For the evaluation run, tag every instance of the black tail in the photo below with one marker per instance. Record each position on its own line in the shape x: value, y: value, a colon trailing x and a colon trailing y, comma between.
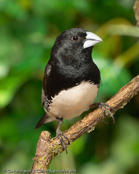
x: 45, y: 119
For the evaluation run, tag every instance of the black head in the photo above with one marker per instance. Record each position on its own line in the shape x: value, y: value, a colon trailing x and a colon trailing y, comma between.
x: 73, y: 43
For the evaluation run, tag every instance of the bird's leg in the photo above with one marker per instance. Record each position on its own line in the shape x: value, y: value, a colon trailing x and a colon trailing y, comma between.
x: 107, y: 108
x: 59, y: 133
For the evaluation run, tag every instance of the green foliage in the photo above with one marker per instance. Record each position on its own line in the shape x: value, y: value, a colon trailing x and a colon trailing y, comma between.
x: 28, y: 29
x: 122, y: 155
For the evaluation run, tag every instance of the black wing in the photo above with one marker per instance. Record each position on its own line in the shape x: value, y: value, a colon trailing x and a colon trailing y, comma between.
x: 45, y: 119
x: 44, y: 86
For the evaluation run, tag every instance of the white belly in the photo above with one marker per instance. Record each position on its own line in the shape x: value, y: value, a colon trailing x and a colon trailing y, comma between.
x: 72, y: 102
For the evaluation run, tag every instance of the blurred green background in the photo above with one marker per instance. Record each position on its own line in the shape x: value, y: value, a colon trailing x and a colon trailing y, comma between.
x: 28, y: 29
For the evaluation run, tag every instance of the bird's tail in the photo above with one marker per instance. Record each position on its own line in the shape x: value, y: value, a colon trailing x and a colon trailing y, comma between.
x: 45, y: 119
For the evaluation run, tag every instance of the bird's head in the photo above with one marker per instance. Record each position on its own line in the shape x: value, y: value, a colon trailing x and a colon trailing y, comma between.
x: 73, y: 42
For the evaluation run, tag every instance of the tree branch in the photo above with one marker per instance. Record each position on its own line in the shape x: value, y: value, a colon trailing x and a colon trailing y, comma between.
x: 136, y: 10
x: 48, y: 148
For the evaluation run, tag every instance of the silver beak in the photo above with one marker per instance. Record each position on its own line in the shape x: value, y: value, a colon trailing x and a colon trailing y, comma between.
x: 91, y: 40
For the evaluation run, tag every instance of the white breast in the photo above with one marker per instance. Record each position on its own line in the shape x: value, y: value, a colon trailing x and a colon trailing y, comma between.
x: 72, y: 102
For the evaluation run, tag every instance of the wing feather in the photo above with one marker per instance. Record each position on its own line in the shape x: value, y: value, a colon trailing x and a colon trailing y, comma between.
x: 44, y: 86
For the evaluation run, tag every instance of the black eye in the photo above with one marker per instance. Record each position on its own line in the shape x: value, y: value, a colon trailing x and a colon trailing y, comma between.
x: 75, y: 38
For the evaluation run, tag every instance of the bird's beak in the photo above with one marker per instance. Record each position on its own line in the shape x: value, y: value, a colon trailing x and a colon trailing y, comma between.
x: 91, y: 39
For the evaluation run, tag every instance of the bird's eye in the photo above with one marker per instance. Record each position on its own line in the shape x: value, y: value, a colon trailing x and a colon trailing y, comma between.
x: 75, y: 38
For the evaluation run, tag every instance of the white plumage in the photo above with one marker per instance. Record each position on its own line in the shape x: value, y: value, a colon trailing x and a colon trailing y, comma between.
x: 72, y: 102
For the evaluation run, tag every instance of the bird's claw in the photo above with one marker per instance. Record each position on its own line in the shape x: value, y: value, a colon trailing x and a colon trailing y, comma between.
x: 104, y: 107
x: 105, y: 110
x: 59, y: 135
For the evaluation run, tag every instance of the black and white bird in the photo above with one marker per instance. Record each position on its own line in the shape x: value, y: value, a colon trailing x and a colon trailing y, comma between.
x: 71, y: 79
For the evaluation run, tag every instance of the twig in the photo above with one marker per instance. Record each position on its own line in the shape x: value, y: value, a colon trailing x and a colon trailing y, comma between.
x: 136, y: 10
x: 48, y: 148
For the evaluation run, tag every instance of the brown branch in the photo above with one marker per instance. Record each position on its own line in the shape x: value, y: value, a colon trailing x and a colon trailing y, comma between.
x: 48, y: 148
x: 136, y: 10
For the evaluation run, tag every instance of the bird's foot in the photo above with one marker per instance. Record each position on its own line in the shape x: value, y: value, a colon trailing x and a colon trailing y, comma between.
x: 106, y: 109
x: 59, y: 135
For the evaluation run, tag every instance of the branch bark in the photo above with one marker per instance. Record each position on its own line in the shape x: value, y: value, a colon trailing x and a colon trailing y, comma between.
x: 136, y: 10
x: 48, y: 148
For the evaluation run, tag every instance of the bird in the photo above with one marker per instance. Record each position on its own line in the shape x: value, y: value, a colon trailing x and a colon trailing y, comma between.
x: 71, y: 78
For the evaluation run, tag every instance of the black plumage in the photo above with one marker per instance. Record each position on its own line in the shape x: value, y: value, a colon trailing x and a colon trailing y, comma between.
x: 69, y: 65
